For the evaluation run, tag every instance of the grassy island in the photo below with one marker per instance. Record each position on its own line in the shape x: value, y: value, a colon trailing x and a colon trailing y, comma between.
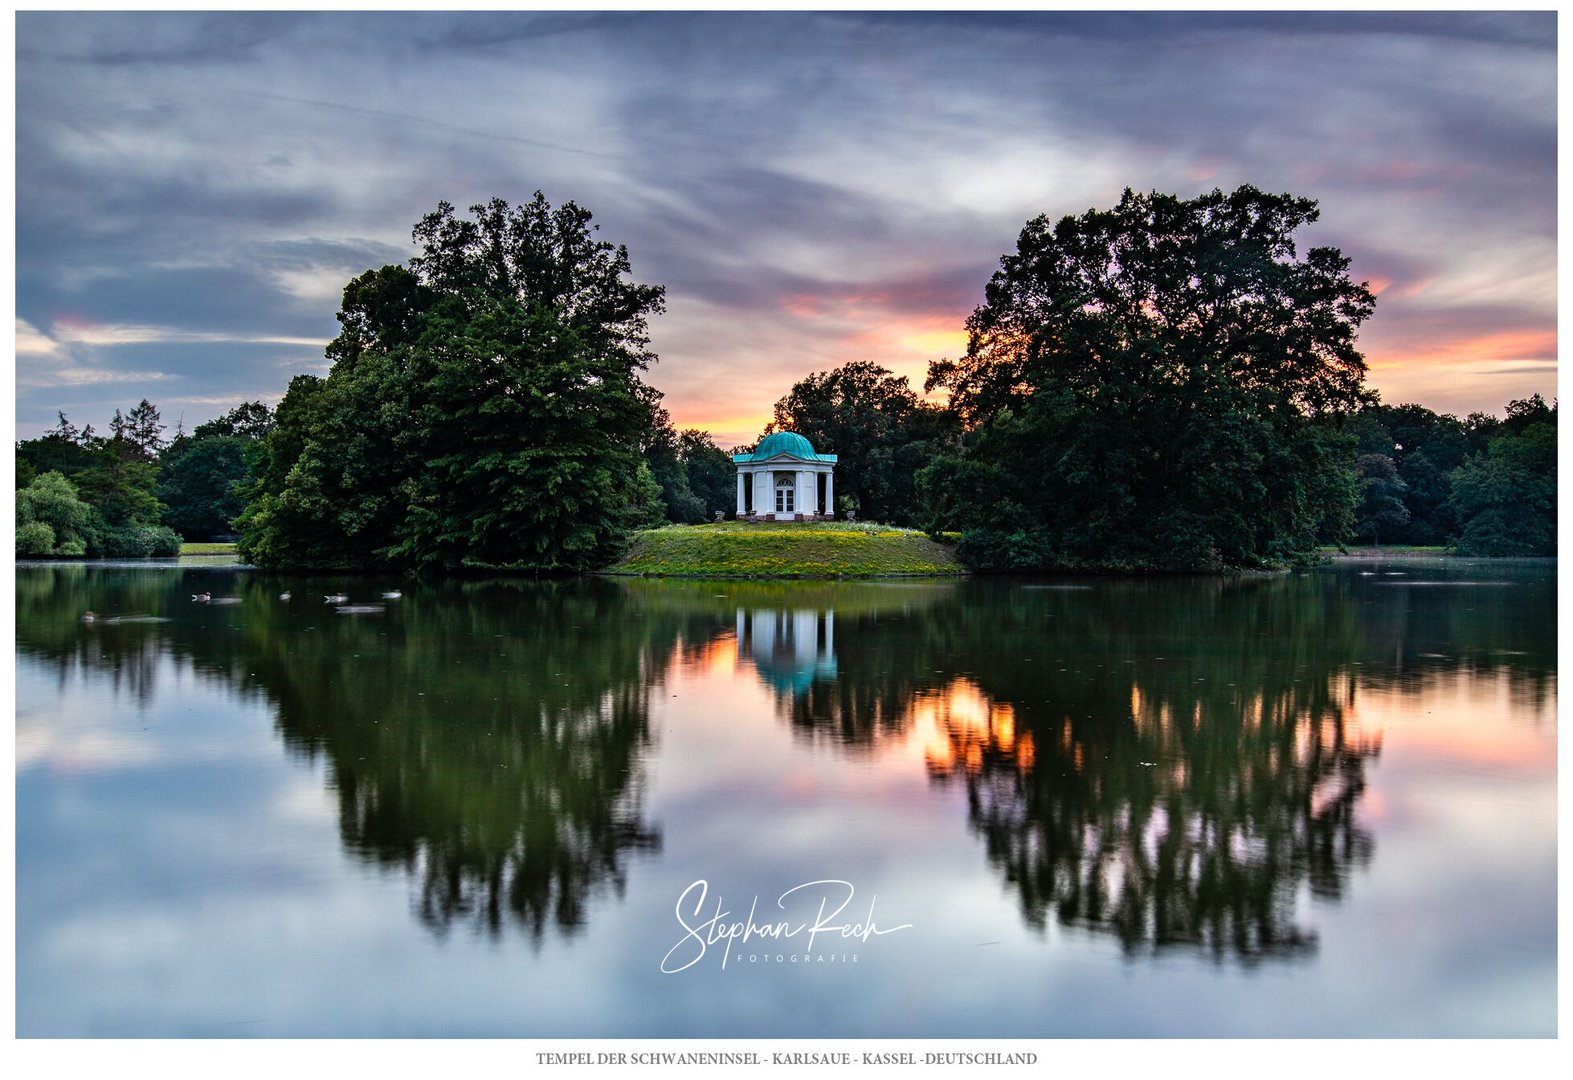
x: 814, y: 549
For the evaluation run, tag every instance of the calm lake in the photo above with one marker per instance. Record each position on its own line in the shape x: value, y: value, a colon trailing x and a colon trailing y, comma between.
x: 1320, y: 804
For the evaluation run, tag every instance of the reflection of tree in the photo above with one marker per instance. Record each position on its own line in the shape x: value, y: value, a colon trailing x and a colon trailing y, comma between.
x: 488, y: 738
x: 797, y: 636
x: 880, y: 656
x: 129, y: 637
x: 1167, y: 827
x: 1169, y: 762
x: 1482, y: 617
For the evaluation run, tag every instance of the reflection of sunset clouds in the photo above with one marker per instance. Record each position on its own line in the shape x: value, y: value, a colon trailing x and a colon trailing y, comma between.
x: 959, y: 726
x: 719, y: 658
x: 1472, y: 721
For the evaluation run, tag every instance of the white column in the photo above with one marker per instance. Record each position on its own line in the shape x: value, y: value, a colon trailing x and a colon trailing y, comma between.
x: 753, y: 480
x: 739, y: 492
x: 830, y: 491
x: 805, y: 487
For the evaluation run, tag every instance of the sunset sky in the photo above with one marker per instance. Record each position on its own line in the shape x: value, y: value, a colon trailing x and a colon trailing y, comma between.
x: 193, y: 190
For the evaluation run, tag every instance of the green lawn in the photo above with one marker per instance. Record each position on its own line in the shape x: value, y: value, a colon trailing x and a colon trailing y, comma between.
x: 207, y: 549
x: 1366, y: 551
x: 785, y: 549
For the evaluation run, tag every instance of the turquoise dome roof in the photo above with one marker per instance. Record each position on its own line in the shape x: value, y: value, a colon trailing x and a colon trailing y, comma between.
x: 784, y: 442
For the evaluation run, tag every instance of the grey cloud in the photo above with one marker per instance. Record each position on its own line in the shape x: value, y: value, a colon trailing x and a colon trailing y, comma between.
x: 201, y: 300
x: 179, y: 168
x: 201, y: 380
x: 1544, y: 368
x: 1536, y: 29
x: 124, y: 38
x: 492, y: 31
x: 434, y: 122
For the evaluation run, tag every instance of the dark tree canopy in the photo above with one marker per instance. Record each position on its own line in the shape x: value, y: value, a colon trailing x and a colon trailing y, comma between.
x: 1485, y: 485
x: 1381, y: 510
x: 1424, y: 448
x: 1506, y: 495
x: 202, y: 474
x: 696, y: 477
x: 140, y: 432
x: 484, y: 408
x: 1156, y: 386
x: 248, y: 420
x: 881, y: 432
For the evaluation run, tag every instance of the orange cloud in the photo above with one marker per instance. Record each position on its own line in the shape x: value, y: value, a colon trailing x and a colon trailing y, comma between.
x: 1465, y: 374
x: 1468, y: 351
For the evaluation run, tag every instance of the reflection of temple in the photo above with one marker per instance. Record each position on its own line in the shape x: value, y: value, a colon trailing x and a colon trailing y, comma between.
x: 790, y: 649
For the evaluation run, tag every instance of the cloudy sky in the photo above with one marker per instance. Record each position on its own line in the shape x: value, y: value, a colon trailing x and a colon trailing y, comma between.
x: 193, y: 190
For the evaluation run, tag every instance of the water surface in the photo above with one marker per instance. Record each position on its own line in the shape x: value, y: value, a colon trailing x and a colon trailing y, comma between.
x: 1318, y: 804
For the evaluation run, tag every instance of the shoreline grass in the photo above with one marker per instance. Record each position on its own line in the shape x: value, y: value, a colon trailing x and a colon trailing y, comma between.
x: 206, y: 549
x: 803, y: 549
x: 1354, y: 551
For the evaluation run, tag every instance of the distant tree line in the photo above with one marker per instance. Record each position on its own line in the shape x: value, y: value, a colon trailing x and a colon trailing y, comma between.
x: 133, y: 493
x: 1485, y: 486
x: 1166, y: 385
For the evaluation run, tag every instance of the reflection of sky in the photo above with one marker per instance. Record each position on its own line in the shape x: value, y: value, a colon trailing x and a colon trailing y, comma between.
x: 179, y: 874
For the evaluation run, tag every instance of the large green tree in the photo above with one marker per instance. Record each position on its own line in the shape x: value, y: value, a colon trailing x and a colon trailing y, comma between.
x: 881, y: 432
x: 1156, y: 386
x: 662, y: 455
x: 484, y: 408
x: 65, y: 449
x: 1426, y: 448
x: 1381, y: 511
x: 712, y: 476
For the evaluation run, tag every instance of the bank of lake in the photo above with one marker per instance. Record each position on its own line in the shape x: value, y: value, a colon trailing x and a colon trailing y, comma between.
x: 810, y: 549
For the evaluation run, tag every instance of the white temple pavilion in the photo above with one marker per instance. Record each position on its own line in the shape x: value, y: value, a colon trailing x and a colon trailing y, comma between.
x: 785, y: 480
